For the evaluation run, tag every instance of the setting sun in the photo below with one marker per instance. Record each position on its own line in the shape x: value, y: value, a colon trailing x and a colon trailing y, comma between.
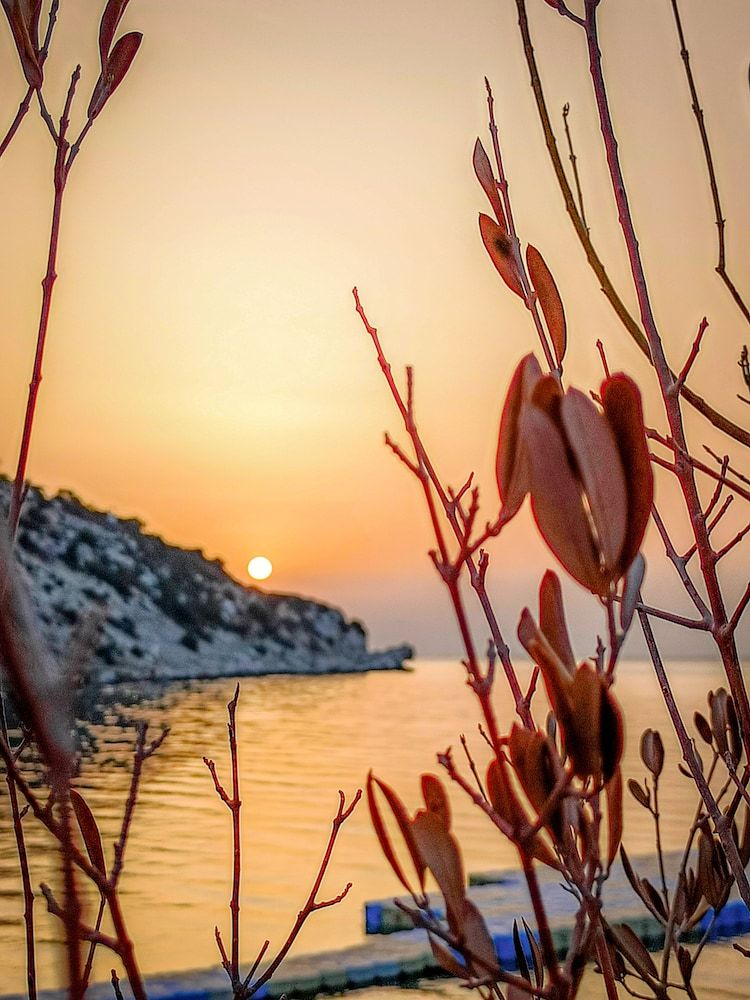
x: 260, y: 568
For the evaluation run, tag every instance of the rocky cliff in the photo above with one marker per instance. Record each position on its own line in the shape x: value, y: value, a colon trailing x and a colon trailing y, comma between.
x: 166, y: 613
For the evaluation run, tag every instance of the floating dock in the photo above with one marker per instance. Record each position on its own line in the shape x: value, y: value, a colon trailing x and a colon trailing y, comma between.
x: 392, y: 955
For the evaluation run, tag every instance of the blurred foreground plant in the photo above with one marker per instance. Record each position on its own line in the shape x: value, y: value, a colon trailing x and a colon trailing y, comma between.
x: 43, y: 690
x: 555, y: 791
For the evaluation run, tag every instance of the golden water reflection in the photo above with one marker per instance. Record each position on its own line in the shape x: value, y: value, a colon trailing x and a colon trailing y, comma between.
x: 301, y: 738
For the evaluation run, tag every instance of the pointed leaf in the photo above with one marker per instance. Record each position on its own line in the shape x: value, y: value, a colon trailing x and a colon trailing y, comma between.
x: 685, y: 963
x: 703, y: 727
x: 113, y: 73
x: 652, y: 751
x: 593, y: 444
x: 485, y: 176
x: 630, y: 945
x: 521, y: 963
x: 549, y: 300
x: 556, y: 678
x: 440, y: 851
x: 623, y: 409
x: 655, y: 899
x: 24, y: 25
x: 612, y: 732
x: 499, y: 246
x: 536, y: 954
x: 89, y: 831
x: 511, y: 463
x: 552, y: 620
x: 478, y: 941
x: 583, y: 731
x: 404, y: 825
x: 436, y: 799
x: 501, y: 794
x: 110, y: 19
x: 631, y: 589
x: 639, y: 793
x: 630, y: 872
x: 446, y: 959
x: 717, y: 701
x: 547, y: 395
x: 556, y: 501
x: 534, y: 763
x: 614, y: 816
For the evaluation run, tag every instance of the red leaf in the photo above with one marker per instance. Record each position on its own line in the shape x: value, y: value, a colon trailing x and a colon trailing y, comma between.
x: 502, y: 796
x: 511, y: 464
x: 89, y: 831
x: 629, y: 944
x: 612, y: 734
x: 614, y: 815
x: 556, y: 501
x: 549, y: 300
x: 110, y: 19
x: 113, y: 72
x: 441, y: 855
x: 446, y: 959
x: 582, y: 733
x: 23, y: 18
x: 623, y: 409
x: 554, y: 674
x: 478, y: 941
x: 499, y: 246
x: 485, y: 176
x: 552, y: 620
x: 435, y: 799
x: 593, y: 444
x: 404, y: 824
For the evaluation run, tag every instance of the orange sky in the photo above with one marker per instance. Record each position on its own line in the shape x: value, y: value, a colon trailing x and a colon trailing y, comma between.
x: 205, y: 369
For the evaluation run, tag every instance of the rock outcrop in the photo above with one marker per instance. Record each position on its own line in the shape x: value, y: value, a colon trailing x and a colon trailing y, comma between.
x: 169, y: 613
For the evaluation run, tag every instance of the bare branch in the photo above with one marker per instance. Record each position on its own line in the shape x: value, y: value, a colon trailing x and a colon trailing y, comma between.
x: 712, y: 179
x: 574, y: 164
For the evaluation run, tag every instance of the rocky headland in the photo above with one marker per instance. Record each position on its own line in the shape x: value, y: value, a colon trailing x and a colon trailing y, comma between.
x: 163, y: 613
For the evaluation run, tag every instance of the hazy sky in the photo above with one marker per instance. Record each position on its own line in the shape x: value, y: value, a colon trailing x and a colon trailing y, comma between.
x: 205, y: 368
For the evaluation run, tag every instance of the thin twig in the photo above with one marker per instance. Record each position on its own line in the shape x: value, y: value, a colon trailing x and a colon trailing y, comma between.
x: 593, y: 258
x: 574, y: 164
x: 688, y: 754
x: 477, y: 572
x: 708, y: 156
x: 312, y: 903
x: 116, y: 986
x: 23, y: 861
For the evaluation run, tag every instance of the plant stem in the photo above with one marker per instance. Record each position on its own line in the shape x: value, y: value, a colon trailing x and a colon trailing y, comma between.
x: 721, y: 223
x: 723, y: 828
x: 594, y: 260
x: 721, y: 630
x: 60, y: 178
x: 23, y: 861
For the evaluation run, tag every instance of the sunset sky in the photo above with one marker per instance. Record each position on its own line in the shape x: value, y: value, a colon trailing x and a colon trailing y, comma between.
x: 206, y: 371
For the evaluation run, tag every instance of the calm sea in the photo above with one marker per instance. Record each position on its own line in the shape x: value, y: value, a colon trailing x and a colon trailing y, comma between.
x: 301, y: 739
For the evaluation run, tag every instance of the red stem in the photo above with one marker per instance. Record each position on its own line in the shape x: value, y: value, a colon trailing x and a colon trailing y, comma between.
x: 20, y: 115
x: 723, y: 827
x: 23, y: 861
x: 311, y: 903
x: 72, y: 908
x: 236, y: 806
x: 721, y: 628
x: 60, y: 179
x: 476, y: 573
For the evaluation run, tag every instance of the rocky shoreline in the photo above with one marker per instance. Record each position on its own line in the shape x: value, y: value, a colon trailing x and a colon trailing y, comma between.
x: 150, y: 611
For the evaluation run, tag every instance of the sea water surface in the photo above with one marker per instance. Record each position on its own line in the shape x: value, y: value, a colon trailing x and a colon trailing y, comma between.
x: 300, y: 739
